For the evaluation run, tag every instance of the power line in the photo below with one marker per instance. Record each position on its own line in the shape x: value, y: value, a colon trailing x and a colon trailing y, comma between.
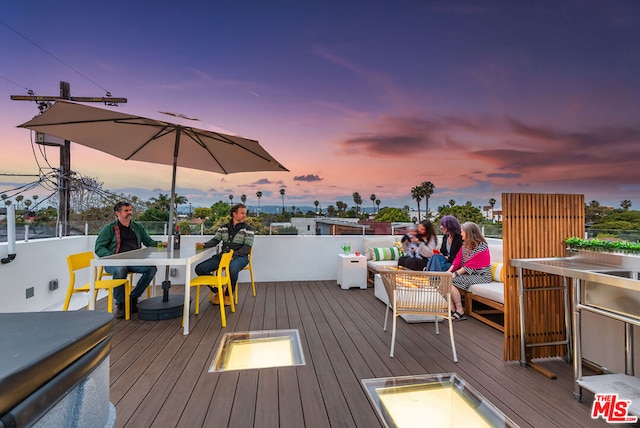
x: 15, y: 83
x: 52, y: 56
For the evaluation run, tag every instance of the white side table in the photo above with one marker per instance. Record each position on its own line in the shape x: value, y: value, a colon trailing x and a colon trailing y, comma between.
x: 352, y: 271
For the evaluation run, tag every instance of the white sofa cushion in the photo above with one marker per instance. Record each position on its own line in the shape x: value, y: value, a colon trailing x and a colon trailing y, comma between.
x: 492, y: 291
x: 375, y: 265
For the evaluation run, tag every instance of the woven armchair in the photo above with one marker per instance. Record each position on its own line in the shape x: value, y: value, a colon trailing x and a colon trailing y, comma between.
x: 418, y: 293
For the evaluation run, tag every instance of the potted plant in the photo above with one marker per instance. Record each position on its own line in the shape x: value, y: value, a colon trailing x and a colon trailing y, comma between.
x: 600, y: 245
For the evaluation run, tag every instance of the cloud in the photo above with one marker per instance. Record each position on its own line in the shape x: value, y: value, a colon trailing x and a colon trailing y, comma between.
x: 262, y: 181
x: 504, y: 175
x: 308, y: 178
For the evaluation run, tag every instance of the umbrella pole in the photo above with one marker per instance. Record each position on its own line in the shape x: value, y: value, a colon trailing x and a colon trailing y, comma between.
x: 176, y: 147
x: 166, y: 308
x: 166, y: 284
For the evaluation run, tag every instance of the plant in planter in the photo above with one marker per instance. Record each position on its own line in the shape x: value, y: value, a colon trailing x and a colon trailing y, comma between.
x: 600, y: 245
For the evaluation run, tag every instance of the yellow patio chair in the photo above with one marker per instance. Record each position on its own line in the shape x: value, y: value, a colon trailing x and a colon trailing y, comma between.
x: 220, y: 279
x: 102, y: 273
x: 248, y: 267
x: 418, y: 293
x: 80, y: 261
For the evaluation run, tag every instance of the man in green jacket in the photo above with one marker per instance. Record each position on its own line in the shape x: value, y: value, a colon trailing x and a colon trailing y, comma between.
x: 120, y: 236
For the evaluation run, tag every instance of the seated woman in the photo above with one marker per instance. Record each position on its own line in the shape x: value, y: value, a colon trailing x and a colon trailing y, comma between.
x: 451, y: 244
x: 418, y: 246
x: 472, y: 265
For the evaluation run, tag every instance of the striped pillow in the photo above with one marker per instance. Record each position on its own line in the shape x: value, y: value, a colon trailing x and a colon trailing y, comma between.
x: 496, y: 272
x: 389, y: 253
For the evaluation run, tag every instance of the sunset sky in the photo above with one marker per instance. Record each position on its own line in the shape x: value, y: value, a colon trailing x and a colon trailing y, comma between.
x: 375, y: 96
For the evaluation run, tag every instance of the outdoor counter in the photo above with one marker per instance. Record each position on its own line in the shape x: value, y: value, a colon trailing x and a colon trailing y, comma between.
x: 606, y: 285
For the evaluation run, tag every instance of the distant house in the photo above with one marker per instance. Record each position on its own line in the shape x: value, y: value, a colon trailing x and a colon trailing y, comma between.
x: 492, y: 214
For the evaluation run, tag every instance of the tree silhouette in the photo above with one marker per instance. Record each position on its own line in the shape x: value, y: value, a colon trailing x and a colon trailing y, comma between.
x: 416, y: 193
x: 231, y: 199
x: 452, y: 202
x: 19, y: 200
x: 243, y: 199
x: 625, y: 205
x: 177, y: 200
x: 378, y: 201
x: 258, y: 195
x: 357, y: 199
x: 162, y: 202
x: 282, y: 192
x: 492, y: 202
x: 428, y: 189
x: 316, y: 203
x: 373, y: 201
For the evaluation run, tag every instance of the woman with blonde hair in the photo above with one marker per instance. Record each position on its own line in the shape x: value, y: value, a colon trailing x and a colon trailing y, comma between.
x: 472, y: 265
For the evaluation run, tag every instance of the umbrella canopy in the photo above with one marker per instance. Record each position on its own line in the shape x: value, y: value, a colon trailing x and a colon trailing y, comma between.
x: 163, y: 139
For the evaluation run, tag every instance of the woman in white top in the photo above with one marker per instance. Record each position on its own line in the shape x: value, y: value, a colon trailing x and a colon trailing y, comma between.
x: 418, y: 246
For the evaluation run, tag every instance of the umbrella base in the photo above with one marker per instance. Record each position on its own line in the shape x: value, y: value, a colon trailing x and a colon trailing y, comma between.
x: 155, y: 309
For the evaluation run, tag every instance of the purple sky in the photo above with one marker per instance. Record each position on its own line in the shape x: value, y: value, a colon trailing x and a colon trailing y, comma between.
x: 478, y: 97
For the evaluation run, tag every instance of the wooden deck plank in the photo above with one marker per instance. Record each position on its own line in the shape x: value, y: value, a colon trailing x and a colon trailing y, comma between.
x: 318, y: 360
x: 312, y: 410
x: 345, y: 364
x: 160, y: 377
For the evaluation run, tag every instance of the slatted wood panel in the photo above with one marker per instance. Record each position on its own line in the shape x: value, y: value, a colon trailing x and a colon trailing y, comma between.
x: 159, y: 377
x: 536, y: 225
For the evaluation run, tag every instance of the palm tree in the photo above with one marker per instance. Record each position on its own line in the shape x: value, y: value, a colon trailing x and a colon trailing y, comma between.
x: 162, y: 202
x: 178, y: 200
x: 258, y: 195
x: 357, y: 199
x: 428, y: 188
x: 373, y: 201
x: 331, y: 210
x: 492, y: 202
x: 378, y: 201
x: 282, y: 192
x: 243, y: 199
x: 19, y: 199
x: 625, y: 205
x: 316, y: 203
x: 35, y: 200
x: 416, y: 193
x: 231, y: 199
x: 452, y: 202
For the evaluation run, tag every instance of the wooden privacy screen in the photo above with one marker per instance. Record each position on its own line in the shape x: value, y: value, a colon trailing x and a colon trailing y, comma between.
x: 535, y: 226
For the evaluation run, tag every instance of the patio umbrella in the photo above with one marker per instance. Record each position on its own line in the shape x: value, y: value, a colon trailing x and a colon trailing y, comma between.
x: 164, y: 138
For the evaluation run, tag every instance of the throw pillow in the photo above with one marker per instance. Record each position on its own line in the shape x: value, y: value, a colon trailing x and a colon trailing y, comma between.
x: 496, y: 272
x: 389, y: 253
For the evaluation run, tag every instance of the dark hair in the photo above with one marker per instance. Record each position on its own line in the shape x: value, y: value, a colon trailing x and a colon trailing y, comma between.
x: 451, y: 224
x: 430, y: 231
x: 235, y: 208
x: 117, y: 207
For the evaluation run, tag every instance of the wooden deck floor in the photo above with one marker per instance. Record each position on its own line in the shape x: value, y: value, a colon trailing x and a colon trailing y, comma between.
x: 159, y: 378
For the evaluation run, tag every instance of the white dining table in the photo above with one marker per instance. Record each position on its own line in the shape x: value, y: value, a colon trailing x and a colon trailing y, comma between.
x: 152, y: 256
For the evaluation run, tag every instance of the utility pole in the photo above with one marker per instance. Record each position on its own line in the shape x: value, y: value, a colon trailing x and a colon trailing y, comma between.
x: 64, y: 175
